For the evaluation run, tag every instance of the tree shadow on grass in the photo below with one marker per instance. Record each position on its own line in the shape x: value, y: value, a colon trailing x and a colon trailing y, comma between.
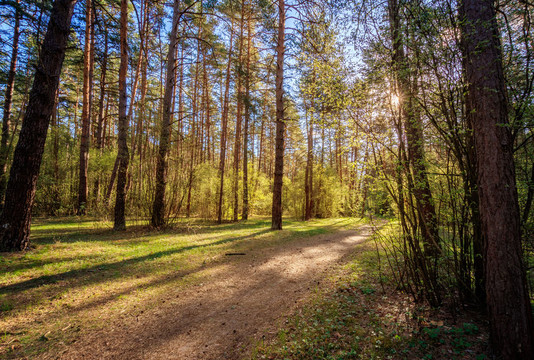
x: 173, y: 324
x: 225, y: 318
x: 71, y: 234
x: 136, y: 234
x: 110, y: 268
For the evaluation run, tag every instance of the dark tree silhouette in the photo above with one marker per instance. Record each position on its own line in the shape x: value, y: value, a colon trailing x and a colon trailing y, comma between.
x: 20, y: 193
x: 122, y: 156
x: 510, y: 313
x: 158, y: 208
x: 280, y: 124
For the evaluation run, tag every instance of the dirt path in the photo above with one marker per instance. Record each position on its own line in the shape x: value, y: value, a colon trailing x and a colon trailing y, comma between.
x: 220, y: 319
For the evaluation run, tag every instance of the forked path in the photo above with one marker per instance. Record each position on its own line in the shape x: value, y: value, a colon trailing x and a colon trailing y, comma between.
x: 221, y: 318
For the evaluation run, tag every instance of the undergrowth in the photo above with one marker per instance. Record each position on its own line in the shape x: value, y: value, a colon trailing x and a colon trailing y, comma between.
x: 361, y: 315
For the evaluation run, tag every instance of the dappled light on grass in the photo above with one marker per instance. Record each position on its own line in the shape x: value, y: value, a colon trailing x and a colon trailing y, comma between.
x: 82, y: 276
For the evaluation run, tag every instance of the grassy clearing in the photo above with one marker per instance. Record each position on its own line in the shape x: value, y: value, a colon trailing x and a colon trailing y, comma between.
x: 80, y: 275
x: 360, y: 315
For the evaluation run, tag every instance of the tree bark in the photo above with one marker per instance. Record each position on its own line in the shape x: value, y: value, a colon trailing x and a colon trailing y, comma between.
x: 99, y: 136
x: 56, y: 196
x: 308, y: 186
x: 20, y: 194
x: 246, y: 101
x: 224, y: 125
x: 122, y: 156
x: 414, y: 135
x: 6, y: 121
x: 239, y: 115
x: 195, y: 126
x: 510, y: 313
x: 88, y: 60
x: 158, y: 207
x: 280, y: 121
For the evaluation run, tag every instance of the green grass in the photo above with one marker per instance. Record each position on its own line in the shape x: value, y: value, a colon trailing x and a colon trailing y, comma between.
x: 81, y: 275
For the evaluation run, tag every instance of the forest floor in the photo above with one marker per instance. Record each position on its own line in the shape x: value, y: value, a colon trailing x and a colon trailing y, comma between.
x: 202, y: 291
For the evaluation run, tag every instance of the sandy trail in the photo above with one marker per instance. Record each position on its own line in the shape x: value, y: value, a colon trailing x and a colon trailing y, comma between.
x: 223, y: 317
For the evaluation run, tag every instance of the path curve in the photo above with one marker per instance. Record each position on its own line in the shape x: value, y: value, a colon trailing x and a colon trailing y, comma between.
x: 221, y: 318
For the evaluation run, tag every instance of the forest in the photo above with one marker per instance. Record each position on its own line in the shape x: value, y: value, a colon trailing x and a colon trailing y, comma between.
x: 159, y: 143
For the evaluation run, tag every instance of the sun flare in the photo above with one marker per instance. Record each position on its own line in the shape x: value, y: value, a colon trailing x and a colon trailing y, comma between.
x: 394, y: 100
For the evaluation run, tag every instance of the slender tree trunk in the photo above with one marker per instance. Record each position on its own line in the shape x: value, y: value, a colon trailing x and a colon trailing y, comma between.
x: 133, y: 93
x: 365, y: 183
x: 8, y: 98
x: 510, y: 313
x: 179, y: 141
x: 246, y: 101
x: 239, y: 115
x: 20, y: 193
x: 122, y: 156
x: 142, y: 66
x: 207, y: 95
x: 262, y: 138
x: 138, y: 144
x: 224, y: 125
x: 264, y: 118
x: 272, y: 137
x: 158, y: 207
x: 99, y: 136
x: 280, y: 121
x: 308, y: 186
x: 88, y: 60
x: 104, y: 67
x: 194, y: 125
x: 414, y: 134
x: 56, y: 196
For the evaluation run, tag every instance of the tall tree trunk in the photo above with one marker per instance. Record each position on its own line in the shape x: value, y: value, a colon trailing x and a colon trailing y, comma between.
x: 207, y: 106
x: 261, y: 166
x: 180, y: 132
x: 56, y: 196
x: 365, y: 182
x: 20, y: 193
x: 99, y: 136
x: 138, y: 145
x: 99, y: 143
x: 142, y: 68
x: 280, y: 121
x: 122, y: 156
x: 308, y: 186
x: 224, y: 125
x: 133, y: 93
x: 510, y: 313
x: 8, y: 98
x: 246, y: 101
x: 88, y: 60
x: 158, y: 207
x: 194, y: 124
x: 414, y: 134
x: 264, y: 118
x: 239, y: 115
